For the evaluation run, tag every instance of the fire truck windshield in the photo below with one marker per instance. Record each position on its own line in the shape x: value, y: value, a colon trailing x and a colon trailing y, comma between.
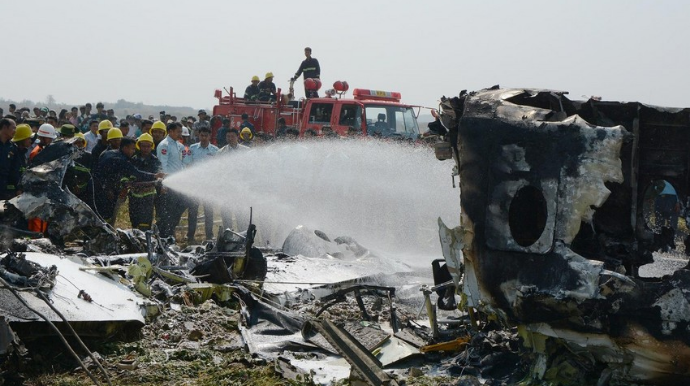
x: 388, y: 121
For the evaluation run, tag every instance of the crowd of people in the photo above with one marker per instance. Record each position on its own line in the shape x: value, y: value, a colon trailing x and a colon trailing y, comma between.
x: 126, y: 158
x: 120, y: 159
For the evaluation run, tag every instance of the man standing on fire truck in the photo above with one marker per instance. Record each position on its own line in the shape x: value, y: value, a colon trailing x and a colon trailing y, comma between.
x: 311, y: 69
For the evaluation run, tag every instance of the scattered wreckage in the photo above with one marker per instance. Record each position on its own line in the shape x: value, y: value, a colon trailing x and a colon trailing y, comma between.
x: 555, y: 225
x: 87, y: 279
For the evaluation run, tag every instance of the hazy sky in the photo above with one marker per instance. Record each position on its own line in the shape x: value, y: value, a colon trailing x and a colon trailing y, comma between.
x: 177, y: 52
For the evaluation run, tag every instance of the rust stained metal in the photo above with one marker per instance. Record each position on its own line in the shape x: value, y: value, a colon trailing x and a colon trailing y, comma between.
x: 552, y: 226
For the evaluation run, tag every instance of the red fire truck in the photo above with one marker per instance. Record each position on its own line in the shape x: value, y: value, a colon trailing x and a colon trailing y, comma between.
x: 369, y: 112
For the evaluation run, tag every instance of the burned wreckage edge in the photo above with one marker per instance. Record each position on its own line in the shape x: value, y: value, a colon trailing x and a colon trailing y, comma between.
x: 552, y: 230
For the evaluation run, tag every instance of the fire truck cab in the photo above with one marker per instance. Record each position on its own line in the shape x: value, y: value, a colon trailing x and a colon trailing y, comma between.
x: 369, y: 112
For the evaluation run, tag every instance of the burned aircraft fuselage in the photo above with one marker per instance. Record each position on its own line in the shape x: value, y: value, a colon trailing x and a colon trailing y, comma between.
x: 553, y: 223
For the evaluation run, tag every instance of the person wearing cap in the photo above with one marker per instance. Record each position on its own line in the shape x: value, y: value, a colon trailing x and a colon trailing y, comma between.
x: 103, y: 127
x: 204, y: 121
x: 23, y: 139
x: 172, y: 204
x: 311, y: 69
x: 251, y: 93
x: 112, y: 169
x: 186, y: 153
x: 186, y: 123
x: 10, y: 160
x: 91, y: 135
x: 114, y: 139
x: 67, y: 131
x: 158, y: 131
x: 246, y: 137
x: 142, y: 198
x: 267, y: 89
x: 46, y: 135
x: 202, y: 151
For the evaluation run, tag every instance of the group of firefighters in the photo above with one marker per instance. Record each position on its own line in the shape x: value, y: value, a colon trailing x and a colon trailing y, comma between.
x: 265, y: 90
x: 111, y: 166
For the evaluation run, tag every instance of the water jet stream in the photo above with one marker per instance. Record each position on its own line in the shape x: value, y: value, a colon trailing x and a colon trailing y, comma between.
x: 385, y: 195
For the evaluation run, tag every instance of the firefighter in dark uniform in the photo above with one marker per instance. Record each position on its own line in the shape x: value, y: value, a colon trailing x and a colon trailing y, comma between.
x: 102, y: 145
x: 78, y: 176
x: 10, y: 164
x: 267, y: 89
x: 23, y: 139
x: 311, y: 69
x: 112, y: 171
x: 251, y: 93
x: 141, y: 198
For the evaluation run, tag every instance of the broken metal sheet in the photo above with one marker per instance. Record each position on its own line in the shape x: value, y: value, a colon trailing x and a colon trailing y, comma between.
x: 551, y: 222
x: 395, y: 350
x: 67, y: 215
x: 112, y: 301
x: 270, y: 333
x: 363, y: 363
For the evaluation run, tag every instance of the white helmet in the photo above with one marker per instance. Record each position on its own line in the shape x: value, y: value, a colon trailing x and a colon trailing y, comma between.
x: 185, y: 132
x: 47, y: 130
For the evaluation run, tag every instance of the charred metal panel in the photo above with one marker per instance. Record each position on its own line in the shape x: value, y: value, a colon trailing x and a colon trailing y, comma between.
x: 552, y: 224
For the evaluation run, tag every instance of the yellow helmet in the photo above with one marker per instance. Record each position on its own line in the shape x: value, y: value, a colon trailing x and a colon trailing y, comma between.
x: 255, y: 78
x: 114, y: 133
x: 105, y: 125
x: 269, y: 75
x: 81, y: 136
x: 246, y: 132
x: 23, y: 132
x: 159, y: 125
x: 146, y: 137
